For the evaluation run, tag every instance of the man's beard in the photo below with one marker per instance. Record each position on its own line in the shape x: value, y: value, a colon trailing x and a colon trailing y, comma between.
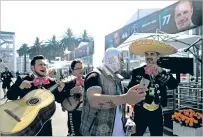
x: 150, y: 61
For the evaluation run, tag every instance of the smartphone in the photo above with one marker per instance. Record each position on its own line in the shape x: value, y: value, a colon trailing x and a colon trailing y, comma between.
x: 144, y: 83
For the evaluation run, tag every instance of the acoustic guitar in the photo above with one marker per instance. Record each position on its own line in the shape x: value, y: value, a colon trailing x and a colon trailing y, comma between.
x: 75, y: 100
x: 26, y: 116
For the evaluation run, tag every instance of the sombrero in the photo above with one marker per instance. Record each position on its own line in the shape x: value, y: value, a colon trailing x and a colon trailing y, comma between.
x: 139, y: 47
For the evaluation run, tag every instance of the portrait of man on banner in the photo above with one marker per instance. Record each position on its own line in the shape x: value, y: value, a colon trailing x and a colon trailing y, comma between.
x: 183, y: 13
x: 116, y: 39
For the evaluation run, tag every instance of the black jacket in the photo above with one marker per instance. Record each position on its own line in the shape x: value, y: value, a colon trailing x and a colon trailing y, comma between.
x: 164, y: 80
x: 6, y: 76
x: 14, y: 92
x: 69, y: 85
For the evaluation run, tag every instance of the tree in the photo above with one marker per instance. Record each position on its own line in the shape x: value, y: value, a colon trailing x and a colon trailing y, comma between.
x: 38, y: 46
x: 68, y: 41
x: 54, y: 47
x: 36, y: 49
x: 85, y: 37
x: 23, y: 50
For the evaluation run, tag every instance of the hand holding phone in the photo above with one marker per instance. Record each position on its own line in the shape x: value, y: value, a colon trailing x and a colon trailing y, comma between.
x: 144, y: 83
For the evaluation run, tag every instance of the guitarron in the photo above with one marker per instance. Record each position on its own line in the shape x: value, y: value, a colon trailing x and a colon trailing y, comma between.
x: 26, y: 116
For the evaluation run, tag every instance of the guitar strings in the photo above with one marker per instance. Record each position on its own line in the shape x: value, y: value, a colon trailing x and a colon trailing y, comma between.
x: 32, y: 108
x: 23, y: 103
x: 53, y: 87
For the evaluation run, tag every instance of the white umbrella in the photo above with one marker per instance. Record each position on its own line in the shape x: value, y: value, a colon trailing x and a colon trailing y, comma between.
x: 176, y: 40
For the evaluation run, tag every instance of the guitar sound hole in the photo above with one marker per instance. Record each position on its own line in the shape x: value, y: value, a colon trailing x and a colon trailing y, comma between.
x: 77, y: 96
x: 33, y: 101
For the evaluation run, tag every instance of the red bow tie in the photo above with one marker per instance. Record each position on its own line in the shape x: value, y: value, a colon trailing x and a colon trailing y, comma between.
x: 150, y: 71
x: 41, y: 81
x: 79, y: 82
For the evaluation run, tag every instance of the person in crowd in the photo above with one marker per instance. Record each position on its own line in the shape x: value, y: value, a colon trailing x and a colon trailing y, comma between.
x: 148, y: 113
x: 17, y: 74
x: 103, y: 112
x: 6, y: 78
x: 75, y: 84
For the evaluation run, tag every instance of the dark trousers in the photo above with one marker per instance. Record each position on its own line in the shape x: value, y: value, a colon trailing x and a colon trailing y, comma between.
x: 6, y: 85
x: 46, y: 130
x: 74, y: 121
x: 151, y: 119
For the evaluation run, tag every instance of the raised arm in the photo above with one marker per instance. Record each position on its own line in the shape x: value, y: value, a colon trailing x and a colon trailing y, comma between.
x: 64, y: 90
x: 96, y: 98
x: 100, y: 101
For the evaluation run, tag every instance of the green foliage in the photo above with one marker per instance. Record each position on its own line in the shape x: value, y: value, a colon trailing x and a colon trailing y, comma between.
x: 53, y: 48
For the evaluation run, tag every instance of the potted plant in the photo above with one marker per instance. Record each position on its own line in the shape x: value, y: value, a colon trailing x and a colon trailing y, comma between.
x: 187, y: 122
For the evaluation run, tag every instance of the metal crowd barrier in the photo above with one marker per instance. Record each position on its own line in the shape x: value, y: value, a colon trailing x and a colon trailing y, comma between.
x: 189, y: 95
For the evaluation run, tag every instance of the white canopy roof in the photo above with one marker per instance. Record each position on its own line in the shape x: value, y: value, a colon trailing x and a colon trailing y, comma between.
x: 176, y: 40
x: 82, y: 44
x: 59, y: 64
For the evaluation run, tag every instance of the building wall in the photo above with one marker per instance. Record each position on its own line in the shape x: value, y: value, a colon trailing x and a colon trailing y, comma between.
x: 140, y: 13
x: 20, y: 64
x: 6, y: 54
x: 7, y: 50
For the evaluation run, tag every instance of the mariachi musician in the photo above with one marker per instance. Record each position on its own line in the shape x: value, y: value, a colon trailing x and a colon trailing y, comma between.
x: 75, y: 86
x: 37, y: 80
x: 148, y: 113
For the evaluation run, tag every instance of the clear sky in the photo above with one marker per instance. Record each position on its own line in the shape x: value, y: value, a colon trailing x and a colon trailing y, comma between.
x: 43, y: 19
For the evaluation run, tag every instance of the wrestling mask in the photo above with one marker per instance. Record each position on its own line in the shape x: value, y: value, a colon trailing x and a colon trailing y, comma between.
x: 113, y: 60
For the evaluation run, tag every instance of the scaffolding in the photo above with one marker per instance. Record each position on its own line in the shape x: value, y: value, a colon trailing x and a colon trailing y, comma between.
x: 189, y: 95
x: 7, y: 51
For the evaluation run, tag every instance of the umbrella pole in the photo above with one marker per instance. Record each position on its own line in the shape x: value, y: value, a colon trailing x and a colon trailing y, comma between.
x: 201, y: 74
x: 202, y: 65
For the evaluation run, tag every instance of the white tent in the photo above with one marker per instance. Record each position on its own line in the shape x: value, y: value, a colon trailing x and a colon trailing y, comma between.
x: 82, y: 44
x: 176, y: 40
x: 59, y: 64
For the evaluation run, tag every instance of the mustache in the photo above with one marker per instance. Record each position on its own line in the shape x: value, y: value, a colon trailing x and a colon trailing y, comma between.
x: 149, y: 59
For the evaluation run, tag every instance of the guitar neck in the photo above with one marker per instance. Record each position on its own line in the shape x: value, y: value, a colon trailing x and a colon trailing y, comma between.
x: 52, y: 88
